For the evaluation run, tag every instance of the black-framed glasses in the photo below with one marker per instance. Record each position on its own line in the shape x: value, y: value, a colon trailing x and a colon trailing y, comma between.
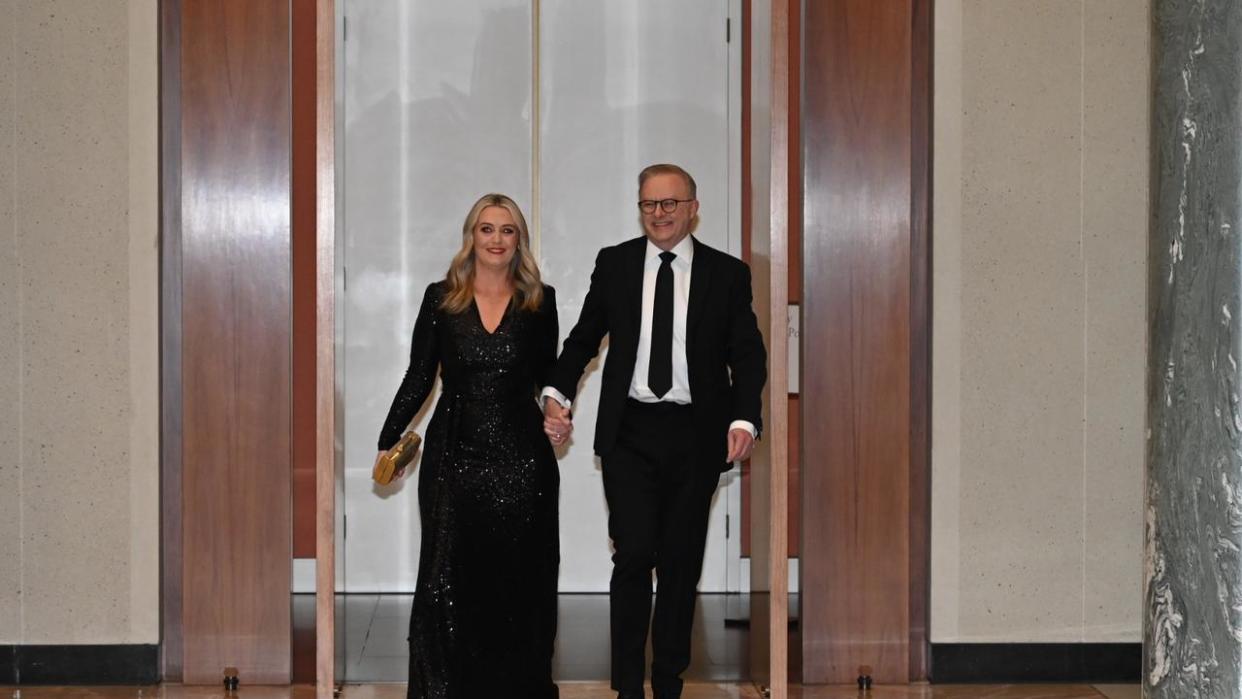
x: 648, y: 206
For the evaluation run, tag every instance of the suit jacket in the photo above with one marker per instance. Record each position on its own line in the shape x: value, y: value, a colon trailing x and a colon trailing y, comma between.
x: 725, y: 356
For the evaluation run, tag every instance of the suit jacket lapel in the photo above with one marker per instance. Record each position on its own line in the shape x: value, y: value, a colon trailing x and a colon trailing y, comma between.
x: 634, y: 286
x: 700, y: 285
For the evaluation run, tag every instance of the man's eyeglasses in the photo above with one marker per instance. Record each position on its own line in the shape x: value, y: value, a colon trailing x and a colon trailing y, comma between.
x: 648, y: 206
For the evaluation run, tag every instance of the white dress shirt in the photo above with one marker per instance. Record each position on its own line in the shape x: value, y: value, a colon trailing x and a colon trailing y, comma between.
x: 680, y: 391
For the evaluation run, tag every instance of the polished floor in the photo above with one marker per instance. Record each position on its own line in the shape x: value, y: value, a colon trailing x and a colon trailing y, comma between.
x: 376, y: 627
x: 376, y: 656
x: 594, y: 690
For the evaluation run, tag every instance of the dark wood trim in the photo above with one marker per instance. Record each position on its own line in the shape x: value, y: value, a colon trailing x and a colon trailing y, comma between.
x: 747, y: 190
x: 304, y: 136
x: 303, y: 226
x: 920, y: 336
x: 79, y: 665
x: 794, y: 118
x: 748, y: 215
x: 171, y: 648
x: 795, y: 168
x: 996, y: 663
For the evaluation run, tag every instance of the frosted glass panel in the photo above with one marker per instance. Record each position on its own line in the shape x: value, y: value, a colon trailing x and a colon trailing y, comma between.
x: 437, y: 113
x: 623, y: 85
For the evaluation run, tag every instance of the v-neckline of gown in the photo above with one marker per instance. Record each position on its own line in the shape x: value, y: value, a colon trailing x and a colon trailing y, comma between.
x: 478, y: 314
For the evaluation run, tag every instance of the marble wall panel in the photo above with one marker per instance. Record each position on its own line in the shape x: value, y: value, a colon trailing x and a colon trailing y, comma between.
x: 1193, y: 515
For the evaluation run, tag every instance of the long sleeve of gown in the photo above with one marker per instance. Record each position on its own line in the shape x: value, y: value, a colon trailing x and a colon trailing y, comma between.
x: 420, y: 376
x: 547, y: 341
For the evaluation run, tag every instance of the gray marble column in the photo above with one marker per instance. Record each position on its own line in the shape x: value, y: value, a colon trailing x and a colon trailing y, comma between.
x: 1193, y: 579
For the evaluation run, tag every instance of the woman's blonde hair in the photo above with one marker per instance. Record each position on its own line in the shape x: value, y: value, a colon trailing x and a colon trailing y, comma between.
x: 527, y: 285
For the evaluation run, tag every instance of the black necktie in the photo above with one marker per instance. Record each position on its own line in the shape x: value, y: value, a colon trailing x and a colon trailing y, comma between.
x: 660, y: 367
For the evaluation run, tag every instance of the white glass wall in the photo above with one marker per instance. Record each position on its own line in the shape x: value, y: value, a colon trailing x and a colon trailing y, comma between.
x: 623, y: 85
x: 437, y: 112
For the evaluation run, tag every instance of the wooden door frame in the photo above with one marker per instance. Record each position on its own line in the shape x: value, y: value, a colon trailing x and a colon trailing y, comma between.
x: 325, y: 354
x: 780, y: 148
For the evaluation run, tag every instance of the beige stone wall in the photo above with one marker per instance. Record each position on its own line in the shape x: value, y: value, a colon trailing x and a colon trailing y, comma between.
x: 1039, y: 337
x: 79, y: 496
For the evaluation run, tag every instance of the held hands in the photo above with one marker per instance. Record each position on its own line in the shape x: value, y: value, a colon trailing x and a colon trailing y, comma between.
x: 558, y: 425
x: 740, y: 444
x: 557, y: 422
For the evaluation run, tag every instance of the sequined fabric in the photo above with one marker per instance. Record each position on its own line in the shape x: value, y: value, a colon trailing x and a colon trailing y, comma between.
x: 484, y: 618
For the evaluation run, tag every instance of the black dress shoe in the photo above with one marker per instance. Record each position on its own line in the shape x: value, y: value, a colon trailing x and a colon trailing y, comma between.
x: 631, y: 695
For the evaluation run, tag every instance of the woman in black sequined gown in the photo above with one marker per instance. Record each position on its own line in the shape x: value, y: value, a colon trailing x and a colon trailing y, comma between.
x: 484, y: 618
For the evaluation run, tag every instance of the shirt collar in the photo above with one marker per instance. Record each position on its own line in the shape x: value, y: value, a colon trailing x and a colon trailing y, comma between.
x: 683, y: 250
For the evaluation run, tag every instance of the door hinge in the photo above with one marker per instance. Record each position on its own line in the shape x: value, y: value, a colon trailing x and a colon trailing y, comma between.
x: 728, y: 521
x: 728, y: 29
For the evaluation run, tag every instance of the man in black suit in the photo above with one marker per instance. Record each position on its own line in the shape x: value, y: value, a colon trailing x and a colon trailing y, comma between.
x: 680, y: 401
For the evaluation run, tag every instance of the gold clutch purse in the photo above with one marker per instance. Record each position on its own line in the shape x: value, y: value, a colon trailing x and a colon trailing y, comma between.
x: 397, y: 458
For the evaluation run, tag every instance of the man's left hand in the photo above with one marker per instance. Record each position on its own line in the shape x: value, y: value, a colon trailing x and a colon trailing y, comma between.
x: 740, y: 445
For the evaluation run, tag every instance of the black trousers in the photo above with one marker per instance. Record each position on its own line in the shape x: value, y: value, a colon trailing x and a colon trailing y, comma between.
x: 658, y: 504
